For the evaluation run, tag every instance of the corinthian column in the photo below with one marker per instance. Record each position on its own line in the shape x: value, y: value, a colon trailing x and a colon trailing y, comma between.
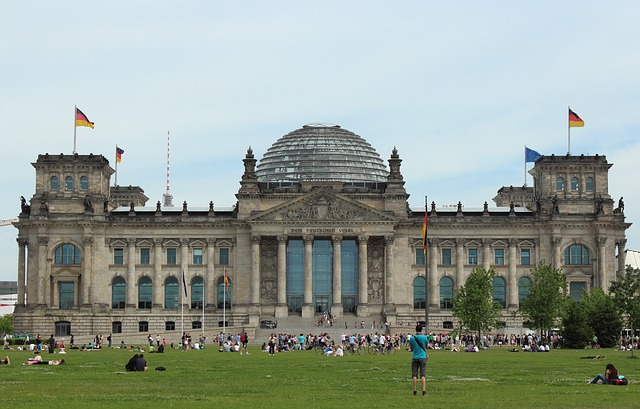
x: 389, y: 240
x: 22, y: 247
x: 513, y: 279
x: 307, y: 306
x: 363, y: 295
x: 255, y: 270
x: 281, y: 309
x: 87, y: 276
x: 336, y: 308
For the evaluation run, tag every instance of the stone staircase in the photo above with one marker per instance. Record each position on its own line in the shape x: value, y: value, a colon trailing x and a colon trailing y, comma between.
x: 297, y: 325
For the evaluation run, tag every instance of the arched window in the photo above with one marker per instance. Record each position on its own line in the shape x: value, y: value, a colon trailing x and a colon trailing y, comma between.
x: 118, y: 293
x: 419, y: 293
x: 576, y: 254
x: 559, y: 184
x: 223, y: 296
x: 67, y: 254
x: 145, y: 293
x: 84, y: 183
x: 524, y: 285
x: 171, y: 292
x: 68, y: 183
x: 197, y: 292
x: 500, y: 291
x: 588, y: 184
x: 54, y: 183
x: 446, y: 293
x: 574, y: 184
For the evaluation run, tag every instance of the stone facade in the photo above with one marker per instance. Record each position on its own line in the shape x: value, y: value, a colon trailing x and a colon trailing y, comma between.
x: 87, y: 267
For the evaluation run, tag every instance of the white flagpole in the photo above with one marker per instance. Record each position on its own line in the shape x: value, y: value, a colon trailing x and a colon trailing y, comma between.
x: 75, y: 111
x: 568, y: 132
x: 224, y: 305
x: 182, y: 304
x: 525, y: 165
x: 116, y: 175
x: 203, y: 292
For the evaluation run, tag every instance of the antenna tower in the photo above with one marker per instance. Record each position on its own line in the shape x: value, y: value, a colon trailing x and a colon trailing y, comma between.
x: 167, y: 198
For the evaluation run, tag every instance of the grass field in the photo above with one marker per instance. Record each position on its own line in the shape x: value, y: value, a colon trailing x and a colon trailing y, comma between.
x: 199, y: 379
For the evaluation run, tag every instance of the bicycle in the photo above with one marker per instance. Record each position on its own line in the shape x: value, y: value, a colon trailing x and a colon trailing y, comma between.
x: 354, y: 349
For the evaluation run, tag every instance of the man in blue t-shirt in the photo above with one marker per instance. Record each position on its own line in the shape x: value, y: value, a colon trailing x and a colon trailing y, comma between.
x: 419, y: 358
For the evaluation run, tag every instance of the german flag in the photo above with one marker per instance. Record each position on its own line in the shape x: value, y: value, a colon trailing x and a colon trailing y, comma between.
x: 574, y: 120
x: 82, y: 120
x: 119, y: 152
x: 424, y: 233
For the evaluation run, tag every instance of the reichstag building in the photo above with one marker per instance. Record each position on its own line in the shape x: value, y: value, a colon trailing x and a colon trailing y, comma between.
x: 321, y: 224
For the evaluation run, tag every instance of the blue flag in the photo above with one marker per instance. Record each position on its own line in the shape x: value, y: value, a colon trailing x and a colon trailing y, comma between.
x: 530, y: 155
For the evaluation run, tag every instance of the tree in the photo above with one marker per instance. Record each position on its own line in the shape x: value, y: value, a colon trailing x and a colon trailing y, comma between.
x: 543, y: 304
x: 6, y: 324
x: 576, y: 332
x: 626, y: 294
x: 473, y: 303
x: 602, y: 316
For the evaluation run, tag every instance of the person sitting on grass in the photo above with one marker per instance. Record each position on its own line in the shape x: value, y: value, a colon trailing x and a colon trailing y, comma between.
x: 5, y: 361
x: 131, y: 365
x: 610, y: 376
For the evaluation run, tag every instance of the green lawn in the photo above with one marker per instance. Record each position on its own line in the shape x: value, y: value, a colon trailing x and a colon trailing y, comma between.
x: 195, y: 379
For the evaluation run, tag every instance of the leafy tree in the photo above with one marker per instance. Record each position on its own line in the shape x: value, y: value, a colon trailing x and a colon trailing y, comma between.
x: 6, y: 324
x: 543, y: 304
x: 626, y: 294
x: 473, y: 303
x: 576, y: 332
x: 602, y: 316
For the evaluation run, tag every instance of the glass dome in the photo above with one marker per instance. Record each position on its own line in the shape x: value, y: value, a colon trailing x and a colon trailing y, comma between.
x: 321, y: 152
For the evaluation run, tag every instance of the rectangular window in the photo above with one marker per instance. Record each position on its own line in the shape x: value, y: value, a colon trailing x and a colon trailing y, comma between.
x: 576, y: 290
x: 145, y: 256
x: 420, y: 256
x: 472, y: 256
x: 66, y: 294
x: 224, y: 256
x: 143, y: 326
x: 525, y: 257
x: 197, y: 256
x: 118, y: 257
x: 498, y: 257
x: 116, y: 327
x: 446, y: 257
x: 172, y: 256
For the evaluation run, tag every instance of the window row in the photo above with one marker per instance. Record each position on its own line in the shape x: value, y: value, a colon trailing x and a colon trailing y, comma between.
x: 575, y: 254
x: 172, y: 256
x: 63, y: 328
x: 69, y: 183
x: 575, y: 184
x: 172, y: 294
x: 447, y: 290
x: 446, y: 256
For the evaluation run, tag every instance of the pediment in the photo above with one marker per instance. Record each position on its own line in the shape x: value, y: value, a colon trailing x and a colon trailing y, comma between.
x: 322, y: 205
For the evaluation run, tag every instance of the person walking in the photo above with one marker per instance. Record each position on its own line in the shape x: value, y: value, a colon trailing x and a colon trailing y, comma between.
x: 52, y: 344
x: 419, y: 357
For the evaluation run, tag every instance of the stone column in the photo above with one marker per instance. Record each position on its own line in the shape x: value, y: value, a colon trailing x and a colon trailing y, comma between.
x: 42, y: 289
x: 255, y: 270
x: 460, y: 261
x: 389, y: 277
x: 336, y: 308
x: 210, y: 280
x: 602, y: 265
x: 131, y: 275
x: 513, y: 279
x: 432, y: 285
x: 157, y: 273
x: 87, y: 273
x: 308, y: 309
x: 363, y: 294
x: 184, y: 269
x: 486, y: 254
x: 281, y: 309
x: 622, y: 268
x: 22, y: 246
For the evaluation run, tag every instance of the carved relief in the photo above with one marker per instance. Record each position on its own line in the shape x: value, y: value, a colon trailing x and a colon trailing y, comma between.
x: 269, y: 270
x: 323, y: 208
x: 375, y: 265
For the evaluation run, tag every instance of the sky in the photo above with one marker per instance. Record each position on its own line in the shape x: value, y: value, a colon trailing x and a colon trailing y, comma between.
x: 459, y: 88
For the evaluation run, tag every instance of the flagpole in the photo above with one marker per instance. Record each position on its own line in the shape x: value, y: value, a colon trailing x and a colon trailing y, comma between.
x: 203, y: 298
x: 568, y: 131
x: 182, y: 304
x: 75, y: 111
x: 116, y: 175
x: 426, y: 274
x: 525, y: 165
x: 224, y: 305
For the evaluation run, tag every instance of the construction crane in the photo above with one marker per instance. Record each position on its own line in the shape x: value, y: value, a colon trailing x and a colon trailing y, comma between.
x: 7, y: 222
